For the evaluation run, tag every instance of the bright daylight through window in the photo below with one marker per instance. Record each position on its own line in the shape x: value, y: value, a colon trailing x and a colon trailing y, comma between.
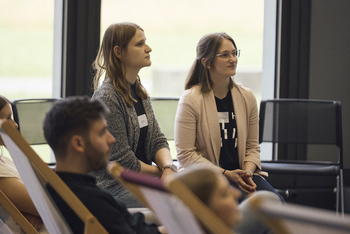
x: 173, y: 29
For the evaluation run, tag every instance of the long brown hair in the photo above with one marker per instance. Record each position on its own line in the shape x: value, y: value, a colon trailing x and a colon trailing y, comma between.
x: 111, y: 66
x: 207, y: 48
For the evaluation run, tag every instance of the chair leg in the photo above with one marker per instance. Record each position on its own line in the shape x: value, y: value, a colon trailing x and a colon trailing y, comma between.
x: 341, y: 192
x: 337, y: 196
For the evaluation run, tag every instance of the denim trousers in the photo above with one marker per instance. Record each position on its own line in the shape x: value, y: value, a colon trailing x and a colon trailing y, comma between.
x: 261, y: 185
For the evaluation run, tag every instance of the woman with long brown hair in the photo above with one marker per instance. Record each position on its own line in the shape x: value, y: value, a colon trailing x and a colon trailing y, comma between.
x: 139, y: 140
x: 217, y: 120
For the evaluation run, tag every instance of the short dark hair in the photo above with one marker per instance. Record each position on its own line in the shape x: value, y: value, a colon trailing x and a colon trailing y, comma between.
x: 68, y: 117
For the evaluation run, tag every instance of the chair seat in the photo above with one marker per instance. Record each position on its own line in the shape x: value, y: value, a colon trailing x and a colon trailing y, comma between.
x: 300, y: 169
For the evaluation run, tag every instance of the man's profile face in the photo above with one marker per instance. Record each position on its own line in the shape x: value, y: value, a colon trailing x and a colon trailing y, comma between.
x: 98, y: 146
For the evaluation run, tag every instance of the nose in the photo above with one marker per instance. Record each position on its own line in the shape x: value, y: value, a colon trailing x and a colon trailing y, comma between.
x: 148, y: 49
x: 111, y: 138
x: 232, y: 57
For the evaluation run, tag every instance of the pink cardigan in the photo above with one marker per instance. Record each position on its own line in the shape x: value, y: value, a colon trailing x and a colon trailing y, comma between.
x: 197, y: 129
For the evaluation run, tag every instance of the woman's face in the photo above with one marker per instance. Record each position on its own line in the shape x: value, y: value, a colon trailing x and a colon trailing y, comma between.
x: 224, y: 65
x: 137, y: 55
x: 6, y: 113
x: 224, y: 202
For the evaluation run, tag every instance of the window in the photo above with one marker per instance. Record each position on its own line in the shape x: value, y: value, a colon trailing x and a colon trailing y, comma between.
x: 173, y: 29
x: 26, y: 48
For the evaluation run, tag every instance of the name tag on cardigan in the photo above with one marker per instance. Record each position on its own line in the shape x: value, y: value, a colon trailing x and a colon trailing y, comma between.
x: 143, y: 122
x: 223, y: 117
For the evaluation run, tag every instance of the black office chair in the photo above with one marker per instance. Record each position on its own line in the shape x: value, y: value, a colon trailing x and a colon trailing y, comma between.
x: 29, y: 114
x: 307, y: 134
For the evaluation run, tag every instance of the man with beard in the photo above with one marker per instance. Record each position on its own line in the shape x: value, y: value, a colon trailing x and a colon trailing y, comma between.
x: 76, y: 130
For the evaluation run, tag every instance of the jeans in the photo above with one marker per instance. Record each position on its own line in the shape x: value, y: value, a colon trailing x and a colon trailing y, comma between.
x: 261, y: 185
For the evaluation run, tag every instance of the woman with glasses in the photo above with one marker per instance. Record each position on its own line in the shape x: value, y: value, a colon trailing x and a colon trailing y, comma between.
x: 217, y: 119
x: 139, y: 140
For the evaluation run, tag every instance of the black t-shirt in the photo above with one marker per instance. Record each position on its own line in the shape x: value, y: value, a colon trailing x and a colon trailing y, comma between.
x: 228, y: 128
x: 110, y: 212
x: 143, y: 124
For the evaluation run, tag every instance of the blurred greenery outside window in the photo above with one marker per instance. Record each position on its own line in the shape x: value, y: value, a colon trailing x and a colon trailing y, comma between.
x: 173, y: 29
x: 26, y: 48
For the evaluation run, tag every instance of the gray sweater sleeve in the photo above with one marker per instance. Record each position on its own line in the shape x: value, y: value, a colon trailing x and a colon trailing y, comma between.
x: 123, y: 124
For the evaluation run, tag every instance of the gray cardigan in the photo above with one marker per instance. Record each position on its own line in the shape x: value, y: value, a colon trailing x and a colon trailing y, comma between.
x: 124, y: 126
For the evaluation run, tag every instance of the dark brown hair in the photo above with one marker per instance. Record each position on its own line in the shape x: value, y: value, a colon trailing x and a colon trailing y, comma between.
x: 68, y: 117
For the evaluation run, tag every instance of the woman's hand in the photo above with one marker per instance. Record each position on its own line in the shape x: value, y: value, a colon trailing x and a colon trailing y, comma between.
x: 242, y: 179
x: 247, y: 178
x: 35, y: 221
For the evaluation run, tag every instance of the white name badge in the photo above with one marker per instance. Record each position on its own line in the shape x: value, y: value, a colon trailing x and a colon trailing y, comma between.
x: 143, y: 122
x: 223, y: 117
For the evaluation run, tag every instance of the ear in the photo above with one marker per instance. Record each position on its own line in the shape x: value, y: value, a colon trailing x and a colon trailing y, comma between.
x: 203, y: 62
x: 78, y: 143
x: 116, y: 51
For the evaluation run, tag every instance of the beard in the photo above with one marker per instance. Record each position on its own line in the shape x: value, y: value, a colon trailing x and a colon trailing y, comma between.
x: 96, y: 159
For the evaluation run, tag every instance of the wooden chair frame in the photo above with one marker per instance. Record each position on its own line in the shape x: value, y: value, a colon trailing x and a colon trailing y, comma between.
x: 16, y: 214
x: 284, y: 218
x: 92, y: 225
x: 202, y: 212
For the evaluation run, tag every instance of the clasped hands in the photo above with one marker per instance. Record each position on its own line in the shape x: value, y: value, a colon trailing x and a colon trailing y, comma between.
x: 242, y: 179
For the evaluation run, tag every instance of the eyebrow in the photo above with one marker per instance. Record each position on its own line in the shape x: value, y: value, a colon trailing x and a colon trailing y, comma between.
x: 142, y: 40
x: 227, y: 51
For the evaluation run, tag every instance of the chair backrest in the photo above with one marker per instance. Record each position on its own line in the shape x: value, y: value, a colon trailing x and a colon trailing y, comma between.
x: 16, y: 215
x: 294, y: 219
x: 165, y: 111
x: 177, y: 208
x: 34, y: 173
x: 29, y: 114
x: 301, y: 122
